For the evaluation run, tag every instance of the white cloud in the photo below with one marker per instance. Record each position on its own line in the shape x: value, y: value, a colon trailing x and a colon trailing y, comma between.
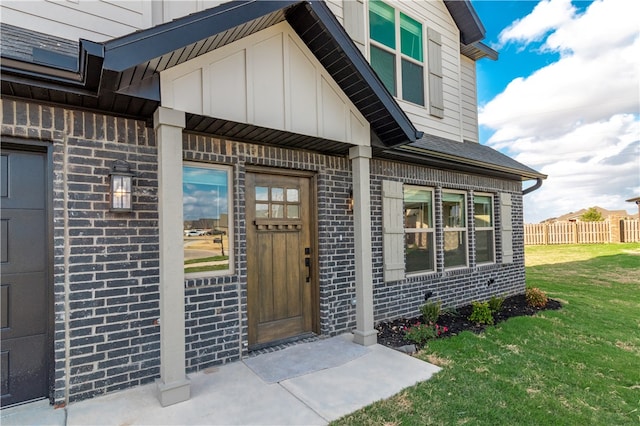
x: 577, y: 119
x: 547, y: 15
x: 606, y: 24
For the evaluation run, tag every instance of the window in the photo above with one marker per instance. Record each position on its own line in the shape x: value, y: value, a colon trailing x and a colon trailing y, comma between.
x: 455, y: 229
x: 386, y: 27
x: 207, y: 230
x: 483, y: 221
x: 419, y: 229
x: 277, y: 203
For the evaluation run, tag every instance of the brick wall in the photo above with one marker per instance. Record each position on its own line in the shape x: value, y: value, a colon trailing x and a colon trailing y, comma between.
x: 106, y: 265
x: 453, y: 287
x: 220, y: 320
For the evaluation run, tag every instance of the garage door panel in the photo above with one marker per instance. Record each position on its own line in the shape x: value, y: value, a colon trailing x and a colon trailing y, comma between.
x: 23, y: 234
x: 24, y: 369
x: 23, y: 319
x: 23, y: 180
x: 24, y: 284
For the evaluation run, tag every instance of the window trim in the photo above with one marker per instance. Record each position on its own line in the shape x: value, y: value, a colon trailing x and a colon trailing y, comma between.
x: 230, y: 217
x: 431, y: 230
x: 491, y: 228
x: 399, y: 56
x: 464, y: 229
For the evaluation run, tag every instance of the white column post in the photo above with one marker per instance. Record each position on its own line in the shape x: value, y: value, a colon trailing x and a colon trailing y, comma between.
x: 364, y: 334
x: 173, y: 384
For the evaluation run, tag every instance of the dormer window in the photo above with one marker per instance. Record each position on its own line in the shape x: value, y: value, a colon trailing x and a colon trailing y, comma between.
x: 387, y: 26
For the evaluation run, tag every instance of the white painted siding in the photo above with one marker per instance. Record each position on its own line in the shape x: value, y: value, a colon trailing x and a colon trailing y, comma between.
x: 95, y: 20
x: 469, y: 100
x: 168, y: 10
x: 269, y: 79
x: 434, y: 14
x: 337, y: 8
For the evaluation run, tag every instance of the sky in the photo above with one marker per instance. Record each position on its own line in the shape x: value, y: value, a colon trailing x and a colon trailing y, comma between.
x: 204, y: 193
x: 564, y: 99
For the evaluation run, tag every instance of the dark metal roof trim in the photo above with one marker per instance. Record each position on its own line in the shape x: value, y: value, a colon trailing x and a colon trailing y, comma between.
x: 143, y: 46
x: 361, y: 84
x: 467, y: 20
x: 465, y: 156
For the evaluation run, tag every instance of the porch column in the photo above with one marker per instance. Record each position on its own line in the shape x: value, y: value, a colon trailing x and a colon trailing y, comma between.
x: 173, y: 384
x: 364, y: 334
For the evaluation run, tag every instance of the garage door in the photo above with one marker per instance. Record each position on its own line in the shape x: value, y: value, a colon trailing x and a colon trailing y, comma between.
x: 24, y: 296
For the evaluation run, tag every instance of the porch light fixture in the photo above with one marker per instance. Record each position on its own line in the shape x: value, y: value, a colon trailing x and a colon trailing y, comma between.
x: 350, y: 201
x: 121, y: 186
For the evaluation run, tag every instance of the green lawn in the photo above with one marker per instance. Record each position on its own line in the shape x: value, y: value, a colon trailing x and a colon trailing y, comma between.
x: 576, y: 366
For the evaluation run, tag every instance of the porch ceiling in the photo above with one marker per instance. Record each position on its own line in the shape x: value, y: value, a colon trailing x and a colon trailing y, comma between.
x: 250, y: 133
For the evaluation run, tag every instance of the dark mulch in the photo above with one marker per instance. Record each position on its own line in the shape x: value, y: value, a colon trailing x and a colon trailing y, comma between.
x: 392, y: 333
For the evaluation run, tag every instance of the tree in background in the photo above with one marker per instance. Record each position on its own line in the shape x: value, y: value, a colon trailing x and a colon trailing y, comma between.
x: 592, y: 215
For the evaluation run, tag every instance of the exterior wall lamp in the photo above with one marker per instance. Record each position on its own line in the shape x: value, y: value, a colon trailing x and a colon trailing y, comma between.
x: 121, y: 187
x: 350, y: 201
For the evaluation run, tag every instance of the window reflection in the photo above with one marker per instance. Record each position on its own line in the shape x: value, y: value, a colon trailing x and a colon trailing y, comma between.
x: 277, y: 203
x: 206, y: 199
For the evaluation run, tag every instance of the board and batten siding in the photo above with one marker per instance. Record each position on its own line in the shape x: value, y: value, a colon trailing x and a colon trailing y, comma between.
x: 469, y: 98
x: 269, y: 79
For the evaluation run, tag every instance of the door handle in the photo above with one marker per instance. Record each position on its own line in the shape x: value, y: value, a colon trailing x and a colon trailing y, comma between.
x: 307, y: 263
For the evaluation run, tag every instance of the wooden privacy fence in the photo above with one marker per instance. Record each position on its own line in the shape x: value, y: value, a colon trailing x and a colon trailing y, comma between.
x: 615, y: 231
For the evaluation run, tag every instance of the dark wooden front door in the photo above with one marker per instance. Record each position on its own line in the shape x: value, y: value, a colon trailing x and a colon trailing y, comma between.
x: 24, y: 296
x: 280, y: 258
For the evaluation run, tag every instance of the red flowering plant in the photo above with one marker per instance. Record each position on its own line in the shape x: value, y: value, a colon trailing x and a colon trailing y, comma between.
x: 421, y: 333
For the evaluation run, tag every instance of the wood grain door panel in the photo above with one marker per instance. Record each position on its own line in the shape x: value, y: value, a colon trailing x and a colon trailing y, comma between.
x: 279, y: 257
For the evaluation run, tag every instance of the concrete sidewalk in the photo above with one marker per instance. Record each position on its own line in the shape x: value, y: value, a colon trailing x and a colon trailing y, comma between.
x: 235, y: 395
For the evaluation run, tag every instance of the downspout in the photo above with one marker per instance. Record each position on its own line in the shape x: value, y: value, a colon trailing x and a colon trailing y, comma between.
x: 537, y: 185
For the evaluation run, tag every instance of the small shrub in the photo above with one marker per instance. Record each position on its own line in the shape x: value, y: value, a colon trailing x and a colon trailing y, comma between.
x: 495, y: 304
x: 449, y: 310
x: 431, y: 311
x: 481, y: 313
x: 536, y: 297
x: 421, y: 333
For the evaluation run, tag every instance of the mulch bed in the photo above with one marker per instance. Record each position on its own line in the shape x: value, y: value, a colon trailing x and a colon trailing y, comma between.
x: 392, y: 333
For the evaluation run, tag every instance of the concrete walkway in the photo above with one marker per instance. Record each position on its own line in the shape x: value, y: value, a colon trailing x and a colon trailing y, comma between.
x: 236, y: 395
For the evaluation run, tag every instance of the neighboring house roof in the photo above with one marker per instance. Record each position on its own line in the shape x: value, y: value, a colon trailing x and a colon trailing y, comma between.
x: 573, y: 216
